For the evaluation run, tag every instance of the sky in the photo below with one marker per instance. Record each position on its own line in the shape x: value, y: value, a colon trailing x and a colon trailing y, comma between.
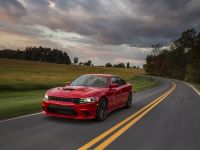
x: 100, y: 30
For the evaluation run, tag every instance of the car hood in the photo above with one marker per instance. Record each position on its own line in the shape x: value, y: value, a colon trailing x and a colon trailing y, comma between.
x: 74, y: 91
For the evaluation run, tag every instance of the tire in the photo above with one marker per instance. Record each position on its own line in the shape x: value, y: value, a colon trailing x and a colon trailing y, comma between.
x: 129, y: 101
x: 101, y: 112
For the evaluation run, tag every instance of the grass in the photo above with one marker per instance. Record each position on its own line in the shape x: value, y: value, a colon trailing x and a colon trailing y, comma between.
x: 17, y: 103
x: 142, y: 83
x: 30, y: 75
x: 23, y: 83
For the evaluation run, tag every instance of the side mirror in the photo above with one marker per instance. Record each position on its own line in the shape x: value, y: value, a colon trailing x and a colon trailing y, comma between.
x: 69, y: 82
x: 114, y: 85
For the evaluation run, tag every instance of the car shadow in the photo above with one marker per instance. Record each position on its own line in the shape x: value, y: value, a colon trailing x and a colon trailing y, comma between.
x: 69, y: 121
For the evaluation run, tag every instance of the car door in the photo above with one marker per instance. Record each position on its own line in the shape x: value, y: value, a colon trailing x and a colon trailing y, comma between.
x: 123, y: 91
x: 117, y: 92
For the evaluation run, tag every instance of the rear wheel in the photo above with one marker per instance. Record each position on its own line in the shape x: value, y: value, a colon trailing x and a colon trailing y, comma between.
x: 101, y: 113
x: 129, y: 101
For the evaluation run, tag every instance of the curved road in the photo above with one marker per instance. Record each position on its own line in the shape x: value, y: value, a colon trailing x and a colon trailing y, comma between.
x: 173, y: 124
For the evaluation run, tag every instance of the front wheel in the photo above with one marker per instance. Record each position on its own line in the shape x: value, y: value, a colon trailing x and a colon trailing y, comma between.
x: 101, y: 112
x: 129, y: 101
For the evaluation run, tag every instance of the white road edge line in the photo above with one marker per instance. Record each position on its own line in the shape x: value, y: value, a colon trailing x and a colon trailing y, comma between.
x: 197, y: 91
x: 20, y: 117
x: 193, y: 88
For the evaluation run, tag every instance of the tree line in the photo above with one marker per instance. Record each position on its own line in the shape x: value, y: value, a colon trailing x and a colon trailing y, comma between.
x: 37, y: 54
x: 180, y: 61
x: 50, y: 56
x: 121, y: 65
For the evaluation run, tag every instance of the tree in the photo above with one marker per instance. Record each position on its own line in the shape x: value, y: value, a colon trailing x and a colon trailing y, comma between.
x: 127, y: 65
x: 120, y: 65
x: 156, y: 49
x: 88, y: 63
x: 181, y: 61
x: 75, y: 60
x: 108, y: 65
x: 37, y: 54
x: 134, y: 66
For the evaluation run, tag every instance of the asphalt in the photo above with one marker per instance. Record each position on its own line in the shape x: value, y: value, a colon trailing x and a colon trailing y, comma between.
x: 173, y: 124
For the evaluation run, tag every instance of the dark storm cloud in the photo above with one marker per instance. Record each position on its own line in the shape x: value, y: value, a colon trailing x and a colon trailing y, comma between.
x: 89, y: 5
x: 138, y: 23
x: 163, y: 22
x: 11, y: 9
x: 134, y: 22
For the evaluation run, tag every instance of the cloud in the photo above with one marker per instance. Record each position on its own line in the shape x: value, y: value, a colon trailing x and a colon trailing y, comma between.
x: 100, y: 28
x: 134, y: 22
x: 11, y: 10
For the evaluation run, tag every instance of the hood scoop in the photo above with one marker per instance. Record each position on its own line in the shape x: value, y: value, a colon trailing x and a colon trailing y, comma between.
x: 68, y: 89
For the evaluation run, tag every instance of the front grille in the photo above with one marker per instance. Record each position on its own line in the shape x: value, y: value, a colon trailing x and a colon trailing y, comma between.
x: 62, y: 99
x: 58, y: 109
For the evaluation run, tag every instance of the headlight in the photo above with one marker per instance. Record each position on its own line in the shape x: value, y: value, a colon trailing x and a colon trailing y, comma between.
x: 87, y: 100
x: 46, y: 97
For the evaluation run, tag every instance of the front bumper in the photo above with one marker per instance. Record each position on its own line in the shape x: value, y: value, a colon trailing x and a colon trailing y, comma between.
x: 69, y: 110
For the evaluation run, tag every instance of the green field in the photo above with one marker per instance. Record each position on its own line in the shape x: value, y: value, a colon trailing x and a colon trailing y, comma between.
x: 23, y: 83
x: 29, y: 75
x: 16, y: 103
x: 142, y: 82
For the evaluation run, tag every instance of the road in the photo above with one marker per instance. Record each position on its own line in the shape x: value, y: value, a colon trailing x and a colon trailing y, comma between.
x: 172, y: 124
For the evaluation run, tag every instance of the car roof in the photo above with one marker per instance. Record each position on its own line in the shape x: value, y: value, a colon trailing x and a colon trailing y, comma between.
x: 105, y: 75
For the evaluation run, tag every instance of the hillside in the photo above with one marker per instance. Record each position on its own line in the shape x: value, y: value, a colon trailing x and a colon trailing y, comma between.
x: 26, y: 75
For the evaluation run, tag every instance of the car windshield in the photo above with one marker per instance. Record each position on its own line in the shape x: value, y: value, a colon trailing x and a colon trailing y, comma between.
x: 91, y: 80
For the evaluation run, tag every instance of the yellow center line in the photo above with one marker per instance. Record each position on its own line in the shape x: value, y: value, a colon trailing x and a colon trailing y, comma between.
x: 106, y: 133
x: 108, y: 141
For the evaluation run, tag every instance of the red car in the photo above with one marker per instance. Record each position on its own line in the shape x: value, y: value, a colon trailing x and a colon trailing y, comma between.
x: 89, y: 96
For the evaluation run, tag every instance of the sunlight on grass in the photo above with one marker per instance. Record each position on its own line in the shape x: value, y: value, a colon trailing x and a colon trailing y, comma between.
x: 28, y: 75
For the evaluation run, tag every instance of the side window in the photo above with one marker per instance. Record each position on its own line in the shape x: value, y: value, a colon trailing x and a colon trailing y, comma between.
x: 118, y: 81
x: 114, y: 80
